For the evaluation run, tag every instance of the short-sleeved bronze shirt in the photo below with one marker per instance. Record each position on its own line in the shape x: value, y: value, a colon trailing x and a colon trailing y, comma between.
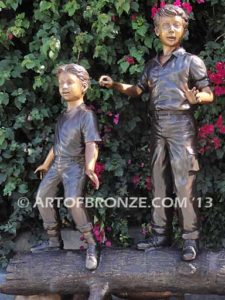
x: 73, y: 129
x: 165, y: 83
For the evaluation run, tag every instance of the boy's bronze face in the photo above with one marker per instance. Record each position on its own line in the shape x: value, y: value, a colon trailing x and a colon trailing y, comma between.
x: 70, y: 87
x: 170, y: 30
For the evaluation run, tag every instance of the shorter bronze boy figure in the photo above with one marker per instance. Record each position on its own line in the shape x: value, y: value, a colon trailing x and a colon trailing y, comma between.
x: 174, y: 165
x: 72, y: 157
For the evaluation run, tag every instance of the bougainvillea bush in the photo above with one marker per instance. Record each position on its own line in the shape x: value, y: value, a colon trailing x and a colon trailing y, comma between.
x: 106, y: 37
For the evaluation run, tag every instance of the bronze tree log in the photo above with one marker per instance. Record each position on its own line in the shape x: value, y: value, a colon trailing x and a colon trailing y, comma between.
x: 119, y: 272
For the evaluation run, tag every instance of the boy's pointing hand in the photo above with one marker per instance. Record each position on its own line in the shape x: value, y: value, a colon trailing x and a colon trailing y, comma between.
x: 106, y: 81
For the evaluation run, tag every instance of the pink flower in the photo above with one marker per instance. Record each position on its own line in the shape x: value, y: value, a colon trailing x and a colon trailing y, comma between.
x: 205, y: 130
x: 217, y: 143
x: 129, y: 161
x: 219, y: 90
x: 99, y: 168
x: 109, y: 229
x: 216, y: 78
x: 98, y: 238
x: 81, y: 237
x: 142, y: 165
x: 109, y: 113
x: 187, y: 6
x: 202, y: 150
x: 177, y: 3
x: 219, y: 124
x: 96, y: 226
x: 10, y: 36
x: 222, y: 130
x: 129, y: 59
x: 107, y: 129
x: 219, y: 121
x: 154, y: 11
x: 200, y: 1
x: 99, y: 233
x: 116, y: 119
x: 148, y: 183
x: 96, y: 230
x: 135, y: 179
x: 133, y: 17
x: 96, y: 233
x: 108, y: 244
x: 162, y: 3
x: 81, y: 247
x: 114, y: 18
x: 220, y: 66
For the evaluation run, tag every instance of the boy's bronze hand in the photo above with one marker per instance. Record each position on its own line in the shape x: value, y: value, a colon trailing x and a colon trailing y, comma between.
x: 106, y: 81
x: 191, y: 94
x: 94, y: 178
x: 42, y: 169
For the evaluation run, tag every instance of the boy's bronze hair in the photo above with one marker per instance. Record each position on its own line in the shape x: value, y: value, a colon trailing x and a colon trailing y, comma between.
x: 170, y: 10
x: 77, y: 70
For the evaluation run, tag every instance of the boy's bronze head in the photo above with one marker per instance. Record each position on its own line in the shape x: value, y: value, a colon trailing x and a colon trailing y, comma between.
x: 77, y: 70
x: 170, y: 10
x: 73, y: 81
x: 171, y: 23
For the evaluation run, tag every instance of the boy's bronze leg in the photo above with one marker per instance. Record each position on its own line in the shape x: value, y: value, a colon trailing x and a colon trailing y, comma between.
x: 49, y: 213
x: 162, y: 186
x: 74, y: 180
x: 81, y: 220
x: 184, y: 165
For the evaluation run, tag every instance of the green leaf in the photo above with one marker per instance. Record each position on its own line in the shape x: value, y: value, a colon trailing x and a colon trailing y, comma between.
x: 2, y: 136
x: 142, y: 30
x: 2, y: 5
x: 71, y: 7
x: 3, y: 177
x: 29, y: 61
x: 135, y: 6
x: 4, y: 98
x: 9, y: 188
x: 121, y: 6
x: 124, y: 66
x: 45, y: 5
x: 23, y: 188
x: 148, y: 41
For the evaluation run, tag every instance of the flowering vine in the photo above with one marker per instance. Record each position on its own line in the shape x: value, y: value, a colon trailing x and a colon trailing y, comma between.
x: 184, y: 4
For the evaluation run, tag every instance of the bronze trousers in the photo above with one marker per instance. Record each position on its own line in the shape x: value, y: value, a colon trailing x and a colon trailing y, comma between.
x: 173, y: 168
x: 72, y: 174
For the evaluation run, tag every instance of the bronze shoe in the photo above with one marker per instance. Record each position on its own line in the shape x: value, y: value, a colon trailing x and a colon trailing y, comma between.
x: 154, y: 242
x: 91, y: 257
x: 47, y: 246
x: 190, y: 250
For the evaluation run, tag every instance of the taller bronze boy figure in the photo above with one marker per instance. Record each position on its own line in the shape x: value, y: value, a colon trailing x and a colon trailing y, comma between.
x: 167, y: 79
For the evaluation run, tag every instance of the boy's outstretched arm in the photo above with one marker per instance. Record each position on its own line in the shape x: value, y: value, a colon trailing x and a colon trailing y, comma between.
x: 127, y: 89
x: 91, y: 155
x: 46, y: 164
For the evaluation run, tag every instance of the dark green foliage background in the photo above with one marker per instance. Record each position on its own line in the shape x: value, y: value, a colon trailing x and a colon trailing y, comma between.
x: 37, y: 36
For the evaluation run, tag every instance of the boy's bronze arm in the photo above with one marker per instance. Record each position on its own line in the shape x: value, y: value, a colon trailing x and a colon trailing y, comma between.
x: 43, y: 168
